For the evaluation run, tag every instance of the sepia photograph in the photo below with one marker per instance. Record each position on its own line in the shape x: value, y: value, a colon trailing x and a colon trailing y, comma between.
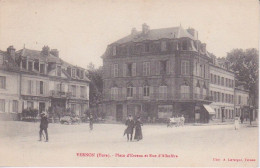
x: 129, y: 83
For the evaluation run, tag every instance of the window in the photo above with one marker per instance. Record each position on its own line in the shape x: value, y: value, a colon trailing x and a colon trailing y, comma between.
x: 204, y: 92
x: 2, y: 82
x: 69, y: 71
x: 73, y: 90
x: 73, y: 108
x: 29, y: 105
x: 24, y: 63
x: 73, y: 73
x: 146, y: 90
x: 36, y: 65
x: 222, y: 81
x: 185, y: 45
x: 58, y: 70
x: 131, y: 69
x: 2, y: 105
x: 30, y: 66
x: 146, y: 68
x: 215, y: 79
x: 114, y: 50
x: 30, y: 87
x: 42, y: 68
x: 163, y: 92
x: 185, y: 67
x: 223, y: 97
x: 211, y: 78
x: 185, y: 92
x: 115, y: 73
x: 129, y: 91
x: 147, y: 47
x: 163, y: 67
x: 226, y: 82
x: 165, y: 111
x: 82, y: 91
x: 219, y: 80
x: 163, y: 46
x: 15, y: 106
x: 41, y: 87
x: 114, y: 93
x: 239, y: 99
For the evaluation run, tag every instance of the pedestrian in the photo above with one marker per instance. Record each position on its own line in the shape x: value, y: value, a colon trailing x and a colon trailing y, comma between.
x: 138, y: 129
x: 130, y: 128
x: 44, y: 126
x: 236, y: 123
x: 242, y: 119
x: 91, y: 122
x: 182, y: 120
x: 177, y: 119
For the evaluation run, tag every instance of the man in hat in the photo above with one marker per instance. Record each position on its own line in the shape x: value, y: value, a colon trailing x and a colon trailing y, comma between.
x: 130, y: 128
x: 44, y: 126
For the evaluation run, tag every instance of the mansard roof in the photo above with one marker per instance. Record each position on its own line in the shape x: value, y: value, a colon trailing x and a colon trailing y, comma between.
x: 34, y: 54
x: 156, y: 34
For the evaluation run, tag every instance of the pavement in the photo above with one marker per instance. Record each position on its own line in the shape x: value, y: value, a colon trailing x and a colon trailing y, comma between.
x: 75, y: 145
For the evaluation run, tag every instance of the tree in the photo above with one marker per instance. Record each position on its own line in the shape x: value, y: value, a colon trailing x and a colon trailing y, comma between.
x: 96, y: 85
x: 245, y: 65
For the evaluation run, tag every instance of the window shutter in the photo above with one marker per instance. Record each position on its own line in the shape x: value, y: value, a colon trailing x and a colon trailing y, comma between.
x: 112, y: 70
x: 168, y: 66
x: 134, y: 92
x: 124, y: 93
x: 157, y: 67
x: 134, y: 69
x: 37, y: 87
x: 124, y: 70
x: 140, y: 92
x: 151, y: 91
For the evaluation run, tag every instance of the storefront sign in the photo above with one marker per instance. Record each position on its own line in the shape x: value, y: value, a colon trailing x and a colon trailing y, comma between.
x: 35, y: 98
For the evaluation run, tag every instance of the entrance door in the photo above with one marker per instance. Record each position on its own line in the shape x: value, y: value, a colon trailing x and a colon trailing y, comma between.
x: 41, y: 107
x: 119, y: 112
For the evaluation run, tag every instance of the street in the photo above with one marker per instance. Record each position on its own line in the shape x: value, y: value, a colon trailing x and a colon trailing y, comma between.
x: 75, y: 145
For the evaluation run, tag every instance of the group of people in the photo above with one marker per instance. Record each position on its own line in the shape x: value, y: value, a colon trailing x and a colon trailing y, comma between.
x: 177, y: 121
x: 133, y: 126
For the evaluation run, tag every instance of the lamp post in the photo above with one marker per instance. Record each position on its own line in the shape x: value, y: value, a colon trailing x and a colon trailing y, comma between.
x: 222, y: 113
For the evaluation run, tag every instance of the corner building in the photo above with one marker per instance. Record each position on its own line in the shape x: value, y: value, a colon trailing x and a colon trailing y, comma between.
x: 157, y: 74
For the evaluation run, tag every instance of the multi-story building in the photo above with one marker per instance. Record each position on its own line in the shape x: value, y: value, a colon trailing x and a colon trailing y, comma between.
x: 46, y: 82
x: 242, y: 102
x: 156, y: 74
x: 222, y: 89
x: 10, y: 103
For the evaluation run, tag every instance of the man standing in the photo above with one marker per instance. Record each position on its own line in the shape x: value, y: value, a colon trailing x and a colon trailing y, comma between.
x: 130, y: 128
x: 44, y: 126
x: 91, y: 122
x: 182, y: 120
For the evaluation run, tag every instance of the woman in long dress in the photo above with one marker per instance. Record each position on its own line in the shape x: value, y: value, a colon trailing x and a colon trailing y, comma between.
x: 138, y: 130
x: 236, y: 122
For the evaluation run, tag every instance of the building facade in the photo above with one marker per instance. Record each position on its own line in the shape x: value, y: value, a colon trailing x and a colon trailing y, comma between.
x: 222, y: 89
x: 47, y: 83
x: 242, y: 102
x: 157, y: 74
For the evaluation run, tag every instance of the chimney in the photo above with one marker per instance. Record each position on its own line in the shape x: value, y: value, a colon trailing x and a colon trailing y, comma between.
x: 134, y: 31
x: 145, y: 28
x: 54, y: 52
x: 11, y: 51
x: 46, y: 50
x: 203, y: 47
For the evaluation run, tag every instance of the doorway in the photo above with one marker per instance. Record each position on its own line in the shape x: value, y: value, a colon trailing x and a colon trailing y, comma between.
x: 119, y: 112
x: 41, y: 107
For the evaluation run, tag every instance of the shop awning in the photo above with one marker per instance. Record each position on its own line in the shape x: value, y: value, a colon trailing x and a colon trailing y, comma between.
x: 209, y: 109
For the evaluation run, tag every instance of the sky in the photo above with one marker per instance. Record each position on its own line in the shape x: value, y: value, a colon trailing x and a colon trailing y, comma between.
x: 82, y: 29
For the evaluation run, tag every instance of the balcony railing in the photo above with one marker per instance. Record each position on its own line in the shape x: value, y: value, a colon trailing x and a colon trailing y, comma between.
x: 161, y: 96
x: 60, y: 94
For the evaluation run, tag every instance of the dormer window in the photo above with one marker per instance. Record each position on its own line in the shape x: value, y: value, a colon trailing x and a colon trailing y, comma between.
x: 24, y: 63
x: 163, y: 46
x: 69, y: 71
x: 147, y: 47
x: 42, y: 68
x: 114, y: 50
x: 58, y: 70
x: 30, y: 65
x: 73, y: 73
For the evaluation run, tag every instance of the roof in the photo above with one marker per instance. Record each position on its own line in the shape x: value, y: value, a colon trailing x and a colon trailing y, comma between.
x: 34, y: 54
x: 156, y: 34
